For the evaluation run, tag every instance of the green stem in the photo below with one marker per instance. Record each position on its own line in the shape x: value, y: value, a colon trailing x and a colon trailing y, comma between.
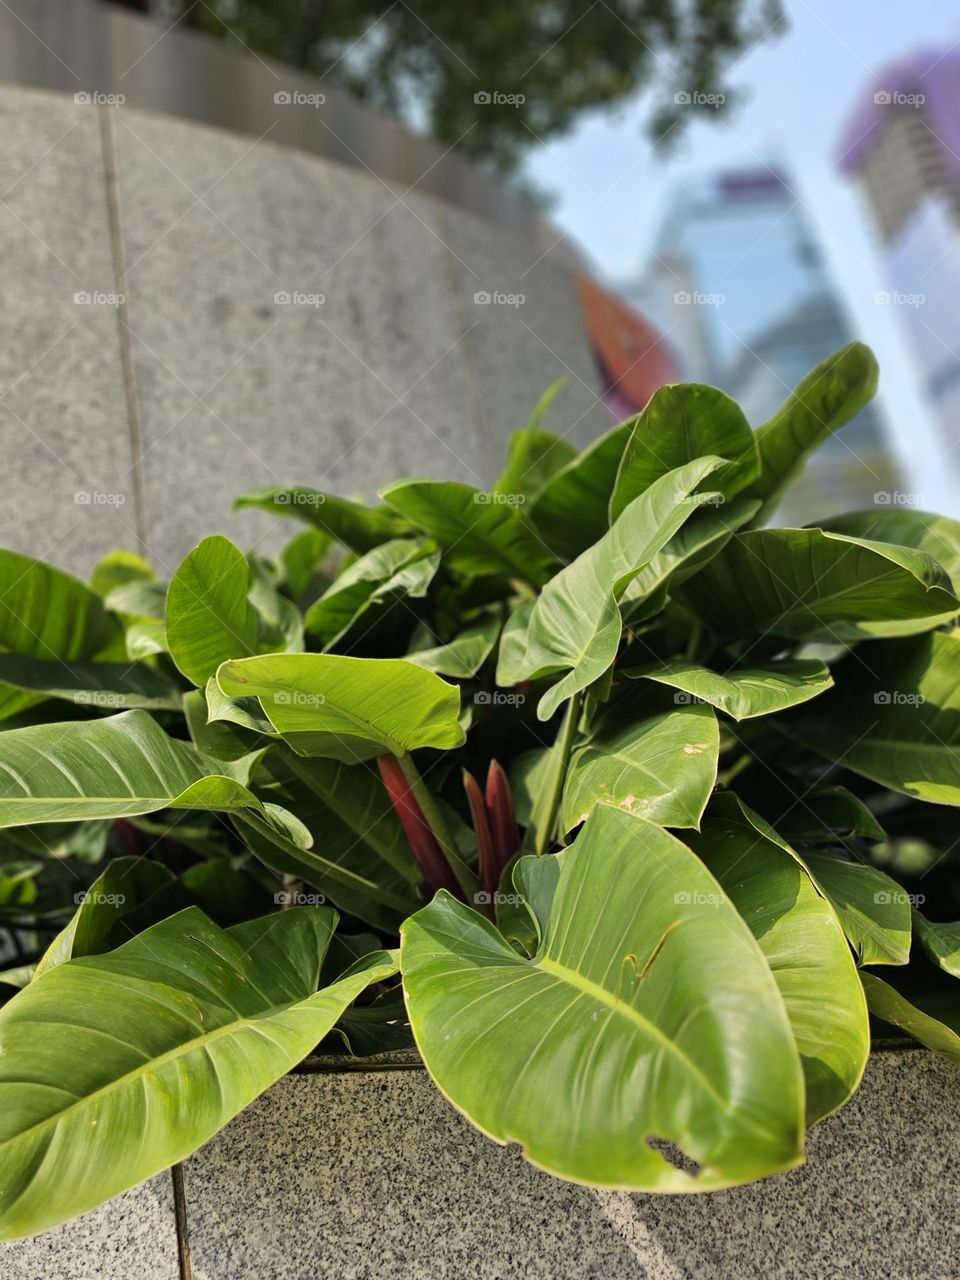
x: 743, y: 762
x: 545, y: 812
x: 438, y: 825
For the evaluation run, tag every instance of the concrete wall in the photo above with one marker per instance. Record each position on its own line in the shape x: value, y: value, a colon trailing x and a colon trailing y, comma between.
x: 197, y: 385
x: 372, y: 1176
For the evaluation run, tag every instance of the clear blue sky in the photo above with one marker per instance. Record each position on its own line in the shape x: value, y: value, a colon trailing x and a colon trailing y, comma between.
x: 611, y: 188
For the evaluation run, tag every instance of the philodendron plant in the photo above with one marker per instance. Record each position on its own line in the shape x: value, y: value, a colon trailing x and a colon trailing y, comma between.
x: 589, y: 787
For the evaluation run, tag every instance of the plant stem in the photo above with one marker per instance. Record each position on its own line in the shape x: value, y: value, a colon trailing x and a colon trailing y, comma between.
x: 545, y: 815
x: 438, y: 825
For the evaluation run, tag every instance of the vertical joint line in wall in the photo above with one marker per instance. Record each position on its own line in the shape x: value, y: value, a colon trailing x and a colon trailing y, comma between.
x: 123, y: 326
x: 455, y: 285
x: 180, y: 1213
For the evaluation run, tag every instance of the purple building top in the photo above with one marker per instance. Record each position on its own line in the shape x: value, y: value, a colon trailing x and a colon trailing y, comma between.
x: 928, y: 79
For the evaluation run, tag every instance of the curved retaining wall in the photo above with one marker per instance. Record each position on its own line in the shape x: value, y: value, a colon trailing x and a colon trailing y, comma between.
x: 135, y: 417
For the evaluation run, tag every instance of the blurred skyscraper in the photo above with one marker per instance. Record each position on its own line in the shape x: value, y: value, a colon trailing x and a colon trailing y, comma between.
x: 903, y: 145
x: 740, y: 285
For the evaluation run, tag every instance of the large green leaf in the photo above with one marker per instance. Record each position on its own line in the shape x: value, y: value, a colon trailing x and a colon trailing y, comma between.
x: 534, y: 456
x: 575, y: 625
x: 571, y: 510
x: 116, y: 1066
x: 920, y: 1001
x: 348, y: 709
x: 50, y: 615
x: 805, y: 584
x: 462, y: 657
x: 104, y: 685
x: 480, y: 533
x: 940, y: 942
x: 209, y: 617
x: 679, y: 424
x: 401, y: 567
x: 938, y: 536
x: 824, y: 401
x: 358, y: 527
x: 873, y: 909
x: 893, y: 716
x: 647, y: 1012
x: 800, y: 935
x: 750, y: 691
x: 647, y: 756
x: 120, y: 766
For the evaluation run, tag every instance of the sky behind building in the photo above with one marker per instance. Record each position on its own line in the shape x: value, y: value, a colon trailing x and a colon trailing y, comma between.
x: 612, y: 189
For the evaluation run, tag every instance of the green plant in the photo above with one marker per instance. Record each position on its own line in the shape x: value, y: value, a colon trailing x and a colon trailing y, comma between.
x: 654, y: 931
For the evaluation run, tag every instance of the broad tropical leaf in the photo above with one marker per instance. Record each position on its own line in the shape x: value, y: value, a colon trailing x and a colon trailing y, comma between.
x: 534, y: 456
x: 571, y: 510
x: 116, y: 1066
x: 120, y: 766
x: 575, y: 626
x: 873, y: 909
x: 743, y: 693
x: 112, y: 686
x: 920, y: 1001
x: 800, y: 935
x: 805, y: 584
x: 358, y: 527
x: 209, y: 615
x: 893, y: 716
x: 401, y: 567
x: 349, y: 709
x: 647, y: 756
x: 827, y: 398
x: 679, y: 424
x: 938, y: 536
x: 648, y: 1011
x: 940, y: 942
x: 479, y: 533
x: 462, y: 657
